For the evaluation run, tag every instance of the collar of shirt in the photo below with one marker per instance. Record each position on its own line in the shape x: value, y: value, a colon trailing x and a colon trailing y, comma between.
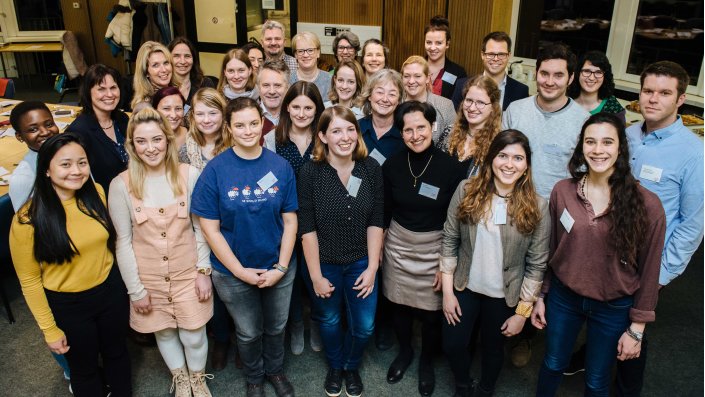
x: 267, y: 114
x: 663, y: 133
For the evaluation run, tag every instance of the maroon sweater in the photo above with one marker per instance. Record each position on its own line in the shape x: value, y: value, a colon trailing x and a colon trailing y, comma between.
x: 586, y: 261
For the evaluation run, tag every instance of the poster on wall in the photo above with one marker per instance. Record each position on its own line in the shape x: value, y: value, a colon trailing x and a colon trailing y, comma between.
x: 326, y: 33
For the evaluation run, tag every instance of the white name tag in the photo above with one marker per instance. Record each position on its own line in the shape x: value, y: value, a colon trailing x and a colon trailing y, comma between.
x: 449, y: 77
x: 353, y: 185
x: 566, y: 220
x: 650, y: 173
x: 429, y: 191
x: 267, y: 181
x: 378, y: 156
x: 500, y: 213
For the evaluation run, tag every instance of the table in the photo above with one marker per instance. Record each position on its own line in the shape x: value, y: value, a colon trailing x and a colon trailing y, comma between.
x: 28, y: 48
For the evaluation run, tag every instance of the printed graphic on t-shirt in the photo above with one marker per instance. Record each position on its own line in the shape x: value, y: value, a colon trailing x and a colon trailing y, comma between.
x: 249, y: 195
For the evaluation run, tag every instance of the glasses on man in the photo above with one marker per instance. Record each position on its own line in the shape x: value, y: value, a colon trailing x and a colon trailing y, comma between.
x: 479, y: 105
x: 345, y: 48
x: 307, y: 51
x: 496, y: 55
x: 597, y: 73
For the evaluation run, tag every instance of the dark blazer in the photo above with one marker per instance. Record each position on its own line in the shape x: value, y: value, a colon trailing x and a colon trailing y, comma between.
x: 458, y: 71
x: 513, y: 91
x: 104, y: 159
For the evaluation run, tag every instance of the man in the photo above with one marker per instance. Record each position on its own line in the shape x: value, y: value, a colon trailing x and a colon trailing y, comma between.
x: 273, y: 43
x: 552, y: 122
x: 496, y: 51
x: 272, y: 83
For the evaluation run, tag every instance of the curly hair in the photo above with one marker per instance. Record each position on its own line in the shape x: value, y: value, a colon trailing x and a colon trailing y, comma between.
x: 522, y: 204
x: 461, y: 128
x: 627, y: 210
x: 598, y: 59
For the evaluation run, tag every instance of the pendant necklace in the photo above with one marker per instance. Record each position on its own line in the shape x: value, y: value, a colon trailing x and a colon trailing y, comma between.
x: 416, y: 177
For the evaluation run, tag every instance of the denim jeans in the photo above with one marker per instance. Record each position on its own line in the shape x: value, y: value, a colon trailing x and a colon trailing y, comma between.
x: 260, y: 317
x: 344, y: 349
x: 566, y: 312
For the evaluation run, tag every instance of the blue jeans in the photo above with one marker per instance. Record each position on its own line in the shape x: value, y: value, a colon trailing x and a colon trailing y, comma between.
x: 344, y: 349
x: 260, y: 317
x: 566, y: 312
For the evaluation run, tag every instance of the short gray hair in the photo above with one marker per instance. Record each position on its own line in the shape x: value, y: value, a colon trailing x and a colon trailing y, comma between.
x: 270, y: 24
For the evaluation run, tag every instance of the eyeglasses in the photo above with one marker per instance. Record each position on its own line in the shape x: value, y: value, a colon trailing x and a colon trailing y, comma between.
x: 597, y: 73
x: 344, y: 48
x: 478, y: 104
x: 307, y: 51
x: 496, y: 55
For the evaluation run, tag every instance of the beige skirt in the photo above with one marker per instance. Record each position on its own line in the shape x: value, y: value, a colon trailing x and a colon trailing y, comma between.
x: 411, y: 260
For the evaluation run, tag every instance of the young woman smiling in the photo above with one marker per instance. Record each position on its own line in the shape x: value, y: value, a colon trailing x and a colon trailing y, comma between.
x: 346, y: 86
x: 443, y: 73
x: 163, y: 258
x: 594, y: 86
x: 187, y: 68
x: 237, y: 79
x: 153, y: 70
x: 169, y: 102
x: 207, y: 135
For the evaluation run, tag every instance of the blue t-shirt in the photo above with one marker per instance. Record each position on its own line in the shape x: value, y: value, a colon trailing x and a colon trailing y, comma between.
x: 248, y: 197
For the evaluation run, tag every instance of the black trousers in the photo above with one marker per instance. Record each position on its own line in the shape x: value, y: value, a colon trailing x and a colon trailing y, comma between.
x: 430, y: 329
x: 95, y: 323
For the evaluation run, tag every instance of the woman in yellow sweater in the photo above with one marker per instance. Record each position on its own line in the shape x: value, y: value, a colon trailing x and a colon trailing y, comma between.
x: 63, y: 244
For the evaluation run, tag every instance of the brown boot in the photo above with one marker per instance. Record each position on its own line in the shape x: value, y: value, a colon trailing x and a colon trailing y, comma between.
x: 198, y: 383
x: 180, y: 382
x: 219, y: 358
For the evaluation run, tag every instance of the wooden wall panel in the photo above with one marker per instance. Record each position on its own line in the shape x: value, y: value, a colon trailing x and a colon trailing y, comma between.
x: 501, y: 15
x: 470, y: 21
x: 78, y: 20
x: 404, y: 22
x: 353, y: 12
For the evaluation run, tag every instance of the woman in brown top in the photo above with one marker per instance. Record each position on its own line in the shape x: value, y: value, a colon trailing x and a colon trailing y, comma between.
x: 606, y: 243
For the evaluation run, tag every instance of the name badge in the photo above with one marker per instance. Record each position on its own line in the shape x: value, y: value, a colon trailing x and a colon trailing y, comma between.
x: 378, y: 156
x: 449, y: 78
x: 429, y: 191
x: 650, y: 173
x: 267, y: 181
x: 566, y: 220
x: 353, y: 185
x: 500, y: 213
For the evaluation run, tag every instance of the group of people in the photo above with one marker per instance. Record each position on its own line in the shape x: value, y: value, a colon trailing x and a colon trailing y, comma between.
x: 365, y: 190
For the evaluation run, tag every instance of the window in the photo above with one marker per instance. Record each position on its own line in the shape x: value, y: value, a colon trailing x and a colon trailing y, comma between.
x: 31, y: 20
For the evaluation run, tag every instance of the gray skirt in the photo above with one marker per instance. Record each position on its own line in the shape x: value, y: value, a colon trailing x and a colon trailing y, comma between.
x: 411, y: 260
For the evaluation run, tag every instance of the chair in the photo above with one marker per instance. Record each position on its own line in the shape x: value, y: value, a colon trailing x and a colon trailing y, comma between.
x: 7, y: 88
x: 6, y: 213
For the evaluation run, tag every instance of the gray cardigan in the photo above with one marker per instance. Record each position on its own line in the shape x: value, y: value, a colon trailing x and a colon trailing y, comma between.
x: 525, y: 256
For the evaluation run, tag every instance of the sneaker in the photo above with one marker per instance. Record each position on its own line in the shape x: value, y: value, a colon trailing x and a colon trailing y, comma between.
x: 334, y: 382
x: 353, y: 383
x: 316, y: 344
x: 296, y: 331
x: 282, y: 386
x: 577, y: 363
x: 521, y: 353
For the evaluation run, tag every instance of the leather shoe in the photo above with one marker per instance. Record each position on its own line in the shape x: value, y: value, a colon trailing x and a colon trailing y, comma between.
x: 334, y: 382
x: 255, y: 390
x: 219, y: 357
x: 427, y: 378
x: 282, y: 386
x: 399, y: 366
x: 353, y: 384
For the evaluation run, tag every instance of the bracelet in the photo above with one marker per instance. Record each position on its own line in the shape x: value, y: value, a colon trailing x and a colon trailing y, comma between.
x: 281, y: 268
x: 524, y: 309
x: 637, y: 336
x: 205, y: 270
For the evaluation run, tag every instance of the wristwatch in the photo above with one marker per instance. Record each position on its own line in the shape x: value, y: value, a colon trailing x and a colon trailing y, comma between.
x: 205, y: 270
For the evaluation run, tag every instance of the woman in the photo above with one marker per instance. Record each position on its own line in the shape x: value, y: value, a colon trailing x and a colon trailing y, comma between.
x: 148, y: 204
x: 246, y: 202
x: 418, y: 184
x: 380, y: 98
x: 594, y: 87
x: 101, y: 125
x: 255, y: 54
x: 170, y: 103
x: 153, y: 70
x: 237, y: 78
x: 443, y: 72
x: 495, y: 247
x: 207, y: 134
x: 307, y: 49
x: 478, y: 121
x: 416, y: 78
x: 187, y: 68
x: 346, y: 45
x: 606, y: 246
x: 346, y: 86
x: 374, y: 56
x: 62, y: 244
x: 341, y: 219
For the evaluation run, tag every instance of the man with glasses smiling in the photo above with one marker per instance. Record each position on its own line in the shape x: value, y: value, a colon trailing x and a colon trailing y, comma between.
x: 496, y: 51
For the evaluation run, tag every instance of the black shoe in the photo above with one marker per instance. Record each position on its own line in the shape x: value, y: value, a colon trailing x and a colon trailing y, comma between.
x: 427, y: 378
x: 577, y: 363
x: 255, y: 390
x: 463, y: 391
x: 480, y: 392
x: 399, y: 366
x: 334, y: 382
x: 353, y: 384
x: 383, y: 338
x: 282, y: 386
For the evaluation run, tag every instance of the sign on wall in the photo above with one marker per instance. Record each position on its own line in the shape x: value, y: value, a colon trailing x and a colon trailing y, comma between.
x: 327, y: 32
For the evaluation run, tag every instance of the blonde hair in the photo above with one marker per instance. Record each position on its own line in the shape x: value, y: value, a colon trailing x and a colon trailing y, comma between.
x: 320, y: 149
x: 378, y: 78
x: 215, y: 100
x: 136, y: 169
x: 240, y: 55
x: 312, y: 37
x: 416, y: 59
x: 144, y: 89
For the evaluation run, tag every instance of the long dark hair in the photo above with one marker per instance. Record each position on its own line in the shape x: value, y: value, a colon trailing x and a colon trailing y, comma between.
x: 627, y: 210
x: 196, y: 74
x: 299, y: 88
x: 52, y: 243
x: 599, y: 59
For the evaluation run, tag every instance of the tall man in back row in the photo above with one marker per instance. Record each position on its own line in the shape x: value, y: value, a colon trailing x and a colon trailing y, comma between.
x: 273, y: 44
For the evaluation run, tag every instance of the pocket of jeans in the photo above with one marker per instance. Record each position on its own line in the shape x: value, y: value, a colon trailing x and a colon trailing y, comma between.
x: 624, y: 302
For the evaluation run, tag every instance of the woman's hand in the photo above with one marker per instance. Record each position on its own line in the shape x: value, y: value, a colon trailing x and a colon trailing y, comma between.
x: 252, y: 276
x: 513, y: 325
x: 143, y: 306
x: 365, y: 283
x: 451, y: 308
x: 61, y: 346
x: 437, y: 285
x: 538, y: 315
x: 322, y: 287
x: 204, y: 287
x: 270, y: 278
x: 628, y: 348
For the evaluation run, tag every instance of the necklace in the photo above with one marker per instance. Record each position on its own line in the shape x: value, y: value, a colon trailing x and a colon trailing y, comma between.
x: 108, y: 127
x: 416, y: 177
x: 584, y: 187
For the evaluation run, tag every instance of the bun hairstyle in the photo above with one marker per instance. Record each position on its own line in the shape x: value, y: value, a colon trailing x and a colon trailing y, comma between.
x: 438, y: 23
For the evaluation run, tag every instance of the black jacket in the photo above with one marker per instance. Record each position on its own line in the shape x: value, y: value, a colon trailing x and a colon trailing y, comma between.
x: 456, y: 70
